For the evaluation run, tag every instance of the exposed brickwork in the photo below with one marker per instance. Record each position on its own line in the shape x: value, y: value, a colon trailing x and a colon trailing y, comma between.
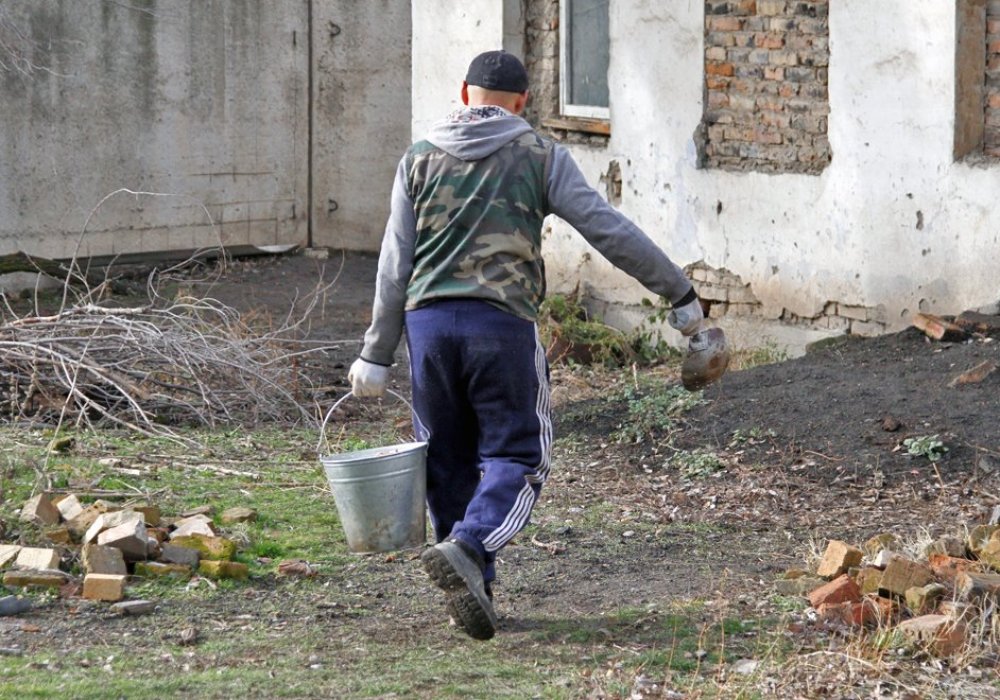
x: 991, y: 137
x: 542, y: 62
x: 766, y: 101
x: 726, y: 295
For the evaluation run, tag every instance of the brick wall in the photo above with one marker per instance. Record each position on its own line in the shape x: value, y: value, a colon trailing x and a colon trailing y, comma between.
x: 991, y: 136
x: 766, y: 106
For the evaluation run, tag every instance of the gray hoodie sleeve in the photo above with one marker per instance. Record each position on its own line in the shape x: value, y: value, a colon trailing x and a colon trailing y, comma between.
x: 609, y: 231
x: 395, y: 265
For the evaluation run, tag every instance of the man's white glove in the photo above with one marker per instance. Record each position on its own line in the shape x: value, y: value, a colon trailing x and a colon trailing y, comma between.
x: 687, y: 318
x: 368, y: 378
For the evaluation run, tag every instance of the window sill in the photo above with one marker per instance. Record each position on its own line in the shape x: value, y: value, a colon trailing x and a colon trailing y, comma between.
x: 600, y: 127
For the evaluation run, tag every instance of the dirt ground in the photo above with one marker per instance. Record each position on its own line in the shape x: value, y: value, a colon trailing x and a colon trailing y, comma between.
x: 812, y: 450
x: 824, y: 459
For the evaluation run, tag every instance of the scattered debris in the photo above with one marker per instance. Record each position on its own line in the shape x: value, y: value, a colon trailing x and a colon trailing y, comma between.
x: 976, y: 374
x: 928, y: 601
x: 938, y: 328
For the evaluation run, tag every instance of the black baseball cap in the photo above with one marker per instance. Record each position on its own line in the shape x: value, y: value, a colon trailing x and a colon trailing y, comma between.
x: 498, y: 70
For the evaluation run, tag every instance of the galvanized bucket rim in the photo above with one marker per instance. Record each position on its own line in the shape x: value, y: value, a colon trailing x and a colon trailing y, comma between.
x: 336, y: 405
x: 372, y: 454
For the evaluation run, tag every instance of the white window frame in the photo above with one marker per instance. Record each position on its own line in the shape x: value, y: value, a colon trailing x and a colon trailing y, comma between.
x: 565, y: 108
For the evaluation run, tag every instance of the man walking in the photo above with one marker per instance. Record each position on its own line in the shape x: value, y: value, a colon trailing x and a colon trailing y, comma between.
x: 461, y: 269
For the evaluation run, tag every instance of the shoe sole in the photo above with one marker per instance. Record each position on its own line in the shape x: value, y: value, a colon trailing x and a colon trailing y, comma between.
x: 472, y: 614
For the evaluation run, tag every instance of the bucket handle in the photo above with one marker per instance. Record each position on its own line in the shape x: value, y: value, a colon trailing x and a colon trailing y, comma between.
x: 336, y: 405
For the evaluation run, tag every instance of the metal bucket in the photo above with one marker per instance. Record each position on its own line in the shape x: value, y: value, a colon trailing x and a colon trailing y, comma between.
x: 380, y: 494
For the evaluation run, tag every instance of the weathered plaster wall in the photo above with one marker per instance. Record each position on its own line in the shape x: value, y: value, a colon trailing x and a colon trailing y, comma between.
x: 205, y: 101
x: 361, y: 116
x: 891, y: 226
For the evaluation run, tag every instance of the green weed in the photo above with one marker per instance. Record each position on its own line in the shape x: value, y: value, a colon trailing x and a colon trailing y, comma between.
x: 929, y: 446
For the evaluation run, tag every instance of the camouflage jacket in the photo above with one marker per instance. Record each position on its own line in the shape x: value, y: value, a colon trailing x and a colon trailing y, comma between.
x: 467, y: 209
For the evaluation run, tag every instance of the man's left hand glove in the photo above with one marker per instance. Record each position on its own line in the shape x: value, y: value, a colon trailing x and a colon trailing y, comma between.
x: 687, y: 318
x: 368, y: 378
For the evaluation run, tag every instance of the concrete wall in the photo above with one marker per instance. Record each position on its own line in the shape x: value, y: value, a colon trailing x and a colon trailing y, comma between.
x: 361, y: 117
x: 893, y: 225
x: 203, y: 101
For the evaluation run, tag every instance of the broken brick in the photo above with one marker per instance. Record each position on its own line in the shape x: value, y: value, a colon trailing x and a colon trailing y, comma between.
x: 133, y: 607
x: 952, y: 546
x: 194, y: 525
x: 79, y: 525
x: 130, y: 537
x: 223, y: 569
x: 939, y: 634
x: 868, y: 579
x: 37, y: 558
x: 938, y: 328
x: 837, y: 559
x: 99, y: 559
x: 990, y: 553
x: 107, y: 521
x: 948, y: 568
x: 174, y: 554
x: 150, y: 514
x: 208, y: 547
x: 869, y: 611
x: 976, y: 374
x: 902, y: 574
x: 925, y: 598
x: 977, y: 588
x: 28, y: 578
x: 838, y: 590
x: 69, y: 507
x: 107, y: 587
x: 876, y: 544
x: 58, y: 535
x: 980, y: 536
x: 8, y: 553
x: 156, y: 569
x: 39, y: 510
x: 238, y: 514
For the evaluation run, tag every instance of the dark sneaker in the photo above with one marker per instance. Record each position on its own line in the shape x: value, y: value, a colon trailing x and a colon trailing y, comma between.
x: 455, y: 570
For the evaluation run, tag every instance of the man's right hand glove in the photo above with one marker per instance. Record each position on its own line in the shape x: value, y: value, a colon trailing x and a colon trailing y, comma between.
x: 687, y: 318
x: 368, y: 378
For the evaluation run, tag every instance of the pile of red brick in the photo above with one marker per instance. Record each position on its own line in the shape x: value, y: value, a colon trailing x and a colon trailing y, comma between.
x: 930, y: 600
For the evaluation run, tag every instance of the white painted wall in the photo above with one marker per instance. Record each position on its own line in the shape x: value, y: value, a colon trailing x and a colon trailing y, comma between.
x: 204, y: 101
x: 848, y: 235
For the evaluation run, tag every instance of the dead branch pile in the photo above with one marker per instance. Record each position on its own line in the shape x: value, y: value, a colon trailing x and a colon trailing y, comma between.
x: 183, y: 361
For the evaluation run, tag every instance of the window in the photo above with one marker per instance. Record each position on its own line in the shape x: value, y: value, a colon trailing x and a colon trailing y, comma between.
x: 583, y: 58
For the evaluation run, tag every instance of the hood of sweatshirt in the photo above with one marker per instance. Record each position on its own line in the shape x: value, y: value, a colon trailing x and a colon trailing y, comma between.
x: 472, y: 133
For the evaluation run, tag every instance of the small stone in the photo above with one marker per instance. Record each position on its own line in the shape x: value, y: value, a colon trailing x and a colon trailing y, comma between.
x: 238, y: 514
x: 8, y: 553
x: 39, y: 510
x: 939, y: 634
x: 133, y: 607
x: 837, y: 559
x: 12, y: 605
x: 223, y: 569
x: 794, y: 573
x: 99, y: 559
x: 106, y: 587
x: 37, y: 558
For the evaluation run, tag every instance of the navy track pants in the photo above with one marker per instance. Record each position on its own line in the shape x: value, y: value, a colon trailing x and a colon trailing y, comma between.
x: 481, y: 401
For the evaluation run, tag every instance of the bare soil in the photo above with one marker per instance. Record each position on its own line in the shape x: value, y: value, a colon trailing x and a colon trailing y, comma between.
x: 812, y: 450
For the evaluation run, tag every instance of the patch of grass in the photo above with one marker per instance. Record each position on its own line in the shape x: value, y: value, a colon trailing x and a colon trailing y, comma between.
x: 747, y: 358
x: 653, y: 411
